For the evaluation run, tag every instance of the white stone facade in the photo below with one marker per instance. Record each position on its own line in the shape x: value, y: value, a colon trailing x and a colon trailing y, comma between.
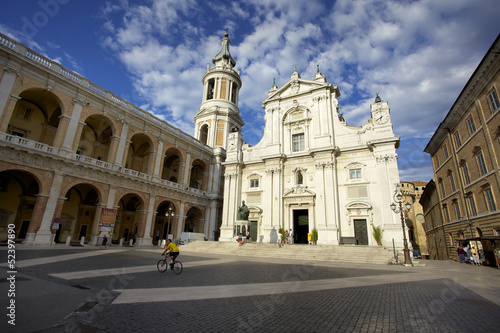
x: 310, y: 170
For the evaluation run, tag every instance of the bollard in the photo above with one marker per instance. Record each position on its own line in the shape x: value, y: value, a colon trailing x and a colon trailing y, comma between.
x: 121, y: 241
x: 131, y: 242
x: 82, y: 241
x: 68, y: 240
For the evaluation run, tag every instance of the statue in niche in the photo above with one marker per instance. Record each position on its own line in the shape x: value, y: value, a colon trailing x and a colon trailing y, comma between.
x: 243, y: 212
x: 299, y: 178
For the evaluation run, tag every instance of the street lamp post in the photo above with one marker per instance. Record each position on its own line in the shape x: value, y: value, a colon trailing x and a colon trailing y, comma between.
x: 398, y: 208
x: 169, y: 214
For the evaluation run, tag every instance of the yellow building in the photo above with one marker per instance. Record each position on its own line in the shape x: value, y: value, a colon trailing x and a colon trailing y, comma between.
x: 465, y: 149
x: 414, y: 218
x: 78, y: 162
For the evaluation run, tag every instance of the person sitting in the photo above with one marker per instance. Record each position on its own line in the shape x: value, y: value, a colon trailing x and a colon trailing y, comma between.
x: 172, y: 251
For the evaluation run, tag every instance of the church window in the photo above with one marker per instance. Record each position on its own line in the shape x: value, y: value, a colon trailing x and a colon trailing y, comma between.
x: 204, y: 134
x: 210, y: 89
x: 355, y: 174
x: 254, y: 183
x: 298, y: 143
x: 233, y: 92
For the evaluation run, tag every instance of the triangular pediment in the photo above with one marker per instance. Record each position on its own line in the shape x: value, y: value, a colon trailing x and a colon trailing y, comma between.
x: 358, y: 205
x: 299, y: 191
x: 295, y: 87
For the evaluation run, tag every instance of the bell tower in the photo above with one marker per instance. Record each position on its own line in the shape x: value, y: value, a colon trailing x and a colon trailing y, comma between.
x: 219, y: 114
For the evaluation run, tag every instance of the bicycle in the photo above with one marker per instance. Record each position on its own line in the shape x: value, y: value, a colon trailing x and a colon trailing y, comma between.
x: 176, y: 267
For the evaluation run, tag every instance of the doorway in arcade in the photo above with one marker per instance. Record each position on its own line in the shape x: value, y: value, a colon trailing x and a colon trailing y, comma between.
x: 300, y: 226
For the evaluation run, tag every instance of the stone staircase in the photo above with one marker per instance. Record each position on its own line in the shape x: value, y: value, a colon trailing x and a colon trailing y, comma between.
x: 340, y: 253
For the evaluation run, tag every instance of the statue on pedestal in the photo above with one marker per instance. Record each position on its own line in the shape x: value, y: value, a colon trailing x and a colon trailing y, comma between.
x: 243, y: 212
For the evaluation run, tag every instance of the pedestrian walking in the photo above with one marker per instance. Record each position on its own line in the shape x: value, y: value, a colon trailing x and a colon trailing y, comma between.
x: 461, y: 253
x: 104, y: 241
x: 290, y: 237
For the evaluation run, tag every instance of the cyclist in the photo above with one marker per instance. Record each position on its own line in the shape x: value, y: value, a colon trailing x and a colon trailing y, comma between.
x: 172, y: 251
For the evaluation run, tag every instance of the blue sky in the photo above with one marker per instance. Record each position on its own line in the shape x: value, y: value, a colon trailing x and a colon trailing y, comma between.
x: 418, y: 54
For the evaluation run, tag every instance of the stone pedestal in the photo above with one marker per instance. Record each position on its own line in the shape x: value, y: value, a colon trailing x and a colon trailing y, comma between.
x: 43, y: 237
x: 226, y: 234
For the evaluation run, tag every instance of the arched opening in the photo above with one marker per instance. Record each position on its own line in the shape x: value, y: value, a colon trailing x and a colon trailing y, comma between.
x: 171, y: 166
x: 166, y: 222
x: 96, y: 137
x: 194, y: 221
x: 204, y: 134
x: 78, y: 214
x: 139, y: 153
x: 36, y: 116
x: 128, y: 218
x: 18, y: 195
x: 210, y: 89
x: 197, y: 171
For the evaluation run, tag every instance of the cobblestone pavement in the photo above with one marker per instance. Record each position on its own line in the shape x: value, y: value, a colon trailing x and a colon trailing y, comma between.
x: 120, y: 290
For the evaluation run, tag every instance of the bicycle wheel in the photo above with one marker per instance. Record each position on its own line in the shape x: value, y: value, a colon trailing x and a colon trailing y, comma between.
x: 162, y: 265
x: 177, y: 267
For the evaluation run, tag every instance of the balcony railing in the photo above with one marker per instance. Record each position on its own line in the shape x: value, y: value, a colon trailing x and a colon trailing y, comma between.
x: 34, y: 146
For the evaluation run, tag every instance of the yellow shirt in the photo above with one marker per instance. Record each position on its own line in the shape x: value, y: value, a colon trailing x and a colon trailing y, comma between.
x: 172, y: 247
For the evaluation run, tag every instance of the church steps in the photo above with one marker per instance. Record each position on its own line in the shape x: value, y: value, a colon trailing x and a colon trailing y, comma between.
x: 343, y: 253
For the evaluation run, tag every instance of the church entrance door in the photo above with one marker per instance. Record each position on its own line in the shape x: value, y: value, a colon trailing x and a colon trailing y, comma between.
x: 253, y: 231
x: 300, y: 226
x: 361, y: 232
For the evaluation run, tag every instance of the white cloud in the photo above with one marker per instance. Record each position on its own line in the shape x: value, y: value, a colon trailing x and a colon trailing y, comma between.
x: 417, y: 54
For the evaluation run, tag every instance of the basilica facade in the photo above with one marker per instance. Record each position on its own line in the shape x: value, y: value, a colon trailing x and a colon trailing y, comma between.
x: 78, y: 162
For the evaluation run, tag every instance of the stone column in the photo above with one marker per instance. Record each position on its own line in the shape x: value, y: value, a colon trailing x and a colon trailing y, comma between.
x: 149, y: 222
x: 36, y: 218
x: 43, y: 234
x: 71, y: 132
x: 151, y: 163
x: 8, y: 79
x: 94, y: 234
x: 7, y: 112
x: 143, y: 215
x: 120, y: 155
x: 159, y: 159
x: 78, y: 135
x: 113, y: 149
x: 187, y: 170
x: 204, y: 182
x: 62, y: 129
x: 212, y: 220
x: 180, y: 221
